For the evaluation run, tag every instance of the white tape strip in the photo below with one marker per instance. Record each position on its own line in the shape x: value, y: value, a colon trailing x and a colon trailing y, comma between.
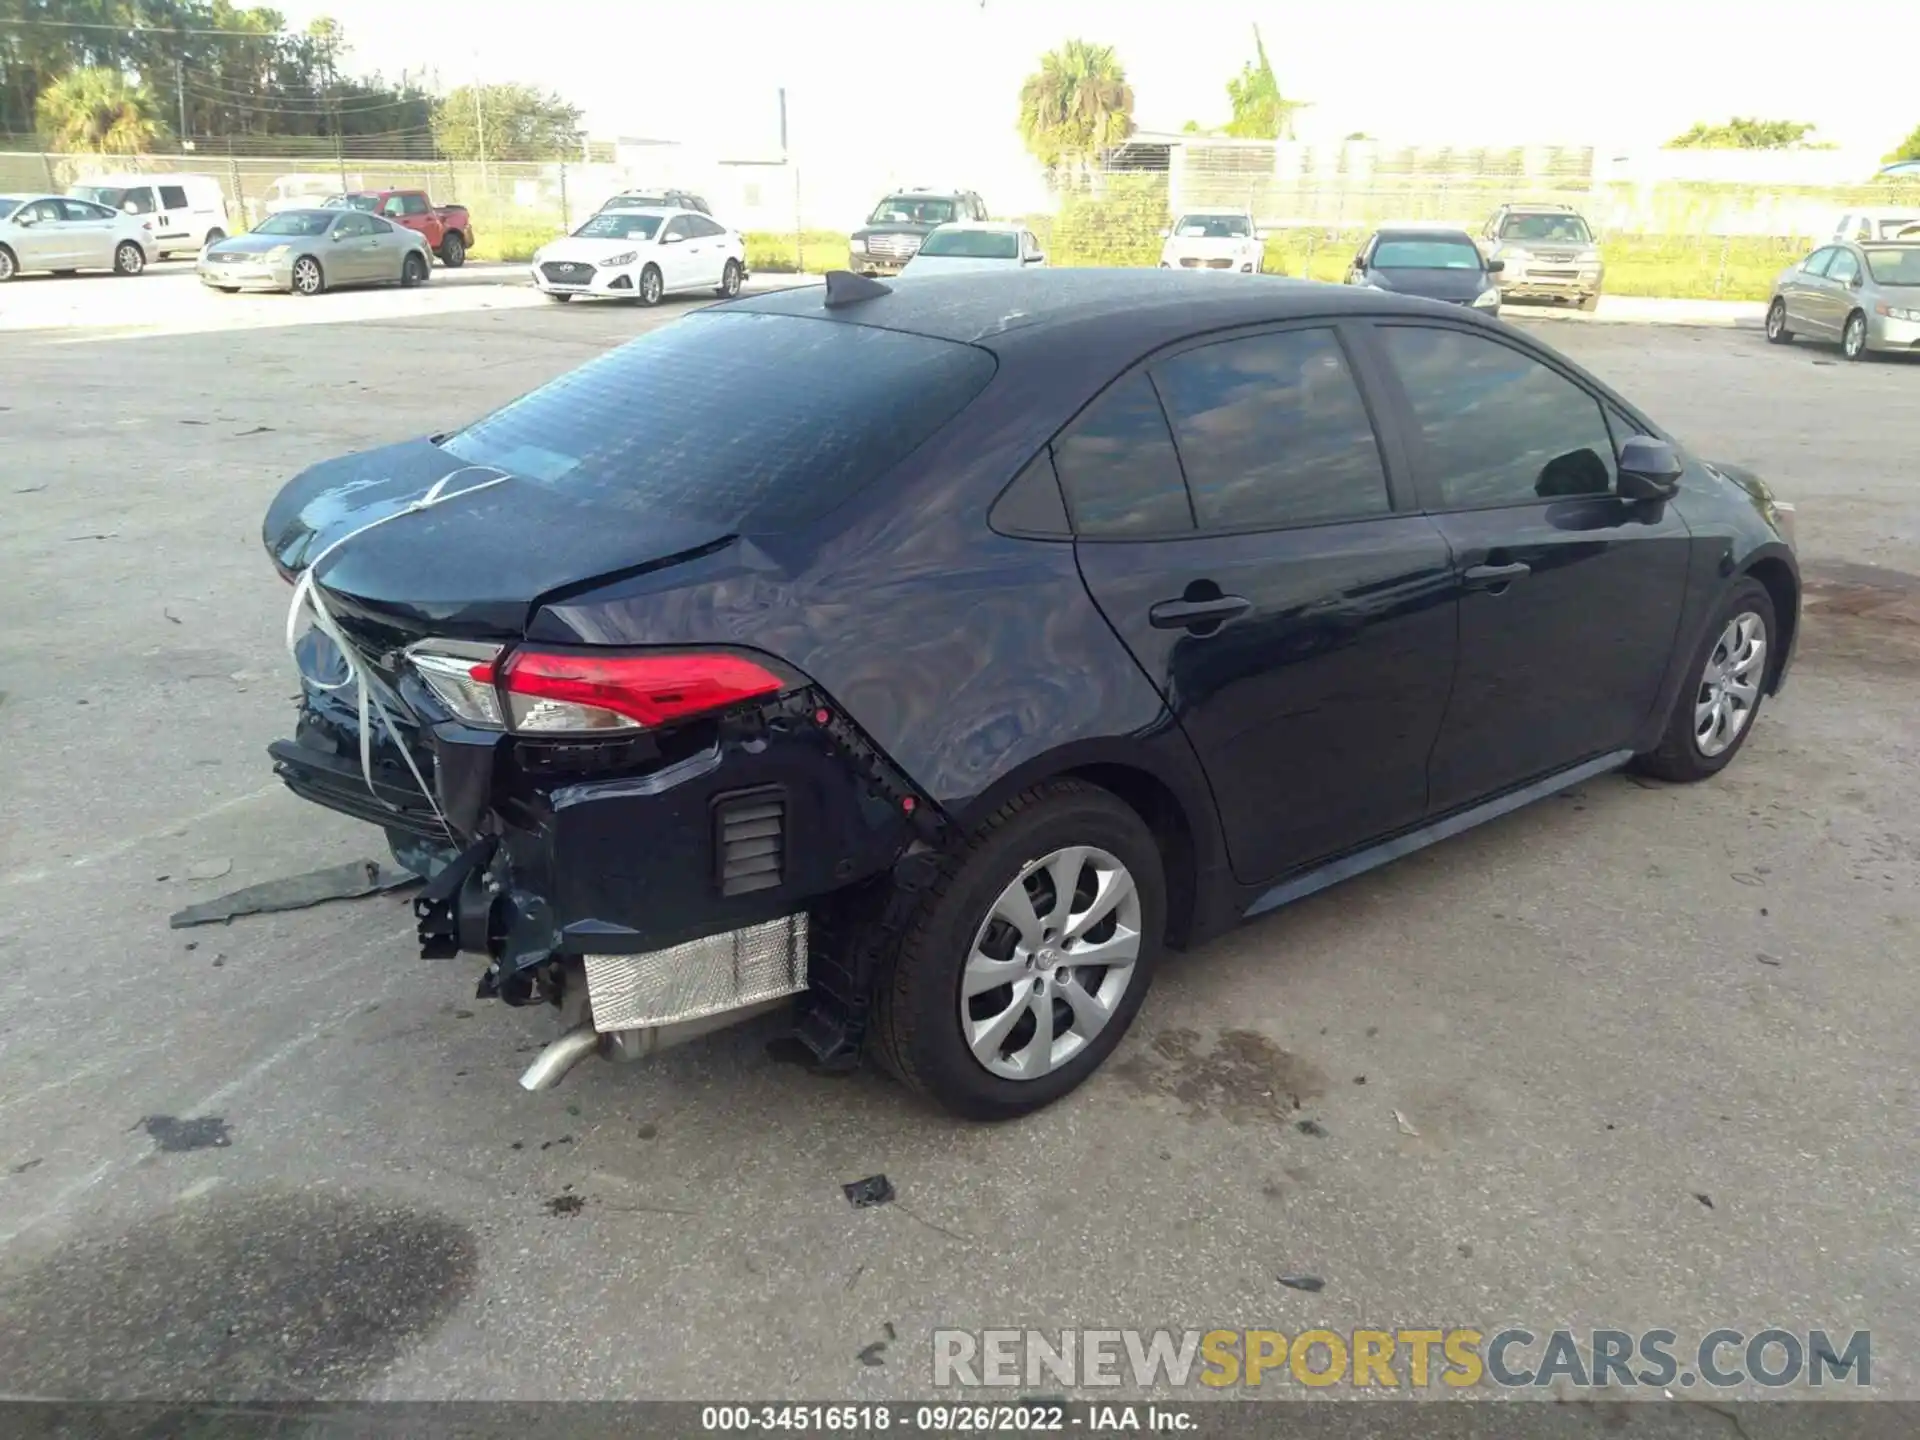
x: 307, y: 596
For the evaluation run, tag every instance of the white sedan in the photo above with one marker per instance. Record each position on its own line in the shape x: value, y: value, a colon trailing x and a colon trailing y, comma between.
x: 642, y: 254
x: 975, y: 245
x: 1214, y: 240
x: 58, y: 233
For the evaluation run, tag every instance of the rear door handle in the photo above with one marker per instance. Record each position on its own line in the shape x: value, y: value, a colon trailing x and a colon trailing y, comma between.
x: 1188, y: 614
x: 1496, y: 577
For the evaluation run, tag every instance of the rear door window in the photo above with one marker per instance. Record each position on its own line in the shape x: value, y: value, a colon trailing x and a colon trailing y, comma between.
x: 1272, y: 432
x: 754, y: 422
x: 1119, y: 469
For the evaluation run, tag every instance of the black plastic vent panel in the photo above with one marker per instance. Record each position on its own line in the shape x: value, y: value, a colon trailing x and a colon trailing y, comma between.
x: 750, y: 841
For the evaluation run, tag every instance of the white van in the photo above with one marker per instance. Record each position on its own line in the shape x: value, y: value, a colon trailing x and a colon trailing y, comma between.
x: 304, y: 192
x: 183, y: 213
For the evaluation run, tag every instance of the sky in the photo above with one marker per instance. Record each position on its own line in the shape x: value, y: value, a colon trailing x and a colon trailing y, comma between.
x: 938, y: 78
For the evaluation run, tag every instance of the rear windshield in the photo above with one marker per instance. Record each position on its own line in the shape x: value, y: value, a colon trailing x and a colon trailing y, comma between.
x: 751, y: 422
x: 973, y: 244
x: 1895, y: 267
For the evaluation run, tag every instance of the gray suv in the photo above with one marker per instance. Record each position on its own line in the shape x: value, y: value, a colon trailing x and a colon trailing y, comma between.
x: 1547, y: 252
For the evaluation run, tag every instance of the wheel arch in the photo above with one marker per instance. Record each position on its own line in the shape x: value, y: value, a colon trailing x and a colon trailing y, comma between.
x: 1783, y: 588
x: 1170, y: 799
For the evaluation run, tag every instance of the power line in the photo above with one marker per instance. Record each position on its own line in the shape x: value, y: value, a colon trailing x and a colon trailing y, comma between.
x: 145, y: 29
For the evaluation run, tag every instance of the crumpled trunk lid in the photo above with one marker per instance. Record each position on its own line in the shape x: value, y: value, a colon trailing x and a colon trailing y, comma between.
x: 472, y: 566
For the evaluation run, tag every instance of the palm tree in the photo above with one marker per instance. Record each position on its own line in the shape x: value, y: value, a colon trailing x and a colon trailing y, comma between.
x: 1075, y: 106
x: 100, y: 111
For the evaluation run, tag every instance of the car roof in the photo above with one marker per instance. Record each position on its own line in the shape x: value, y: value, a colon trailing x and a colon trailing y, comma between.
x: 1133, y: 310
x: 661, y: 210
x: 1009, y: 227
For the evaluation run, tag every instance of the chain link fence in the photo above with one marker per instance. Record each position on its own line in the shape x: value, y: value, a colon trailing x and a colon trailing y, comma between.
x: 1315, y: 204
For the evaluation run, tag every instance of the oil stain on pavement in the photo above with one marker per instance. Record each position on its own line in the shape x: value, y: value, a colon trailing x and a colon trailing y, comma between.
x: 266, y: 1297
x: 1243, y: 1077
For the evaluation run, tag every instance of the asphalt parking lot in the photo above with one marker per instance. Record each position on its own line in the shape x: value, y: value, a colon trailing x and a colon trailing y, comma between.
x: 1636, y: 1057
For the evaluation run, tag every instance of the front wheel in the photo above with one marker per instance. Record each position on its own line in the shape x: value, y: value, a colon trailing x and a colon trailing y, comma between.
x: 453, y: 251
x: 1713, y: 715
x: 556, y: 296
x: 1025, y: 962
x: 1853, y: 339
x: 730, y: 280
x: 1777, y: 330
x: 9, y: 267
x: 652, y: 287
x: 308, y: 279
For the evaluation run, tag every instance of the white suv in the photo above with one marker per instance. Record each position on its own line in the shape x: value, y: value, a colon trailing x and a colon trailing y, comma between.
x: 1213, y: 240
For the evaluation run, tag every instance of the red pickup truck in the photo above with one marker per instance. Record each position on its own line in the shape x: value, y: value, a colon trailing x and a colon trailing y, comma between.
x: 448, y: 230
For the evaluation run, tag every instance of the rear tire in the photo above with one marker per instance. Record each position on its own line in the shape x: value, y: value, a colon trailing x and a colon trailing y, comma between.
x: 1681, y: 756
x: 918, y: 1015
x: 1777, y: 331
x: 453, y: 250
x: 729, y: 281
x: 413, y: 270
x: 128, y: 258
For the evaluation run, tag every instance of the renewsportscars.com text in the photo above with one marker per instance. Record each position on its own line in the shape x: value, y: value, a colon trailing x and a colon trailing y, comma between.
x: 1402, y: 1358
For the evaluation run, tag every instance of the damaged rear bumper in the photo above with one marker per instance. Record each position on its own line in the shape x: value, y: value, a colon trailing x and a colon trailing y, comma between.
x: 652, y: 888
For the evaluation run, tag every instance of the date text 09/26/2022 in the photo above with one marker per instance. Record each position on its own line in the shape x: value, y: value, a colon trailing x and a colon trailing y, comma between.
x: 1025, y: 1417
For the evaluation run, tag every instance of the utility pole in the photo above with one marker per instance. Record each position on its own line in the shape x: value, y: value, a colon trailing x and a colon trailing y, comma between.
x: 480, y: 129
x: 180, y: 94
x: 786, y: 158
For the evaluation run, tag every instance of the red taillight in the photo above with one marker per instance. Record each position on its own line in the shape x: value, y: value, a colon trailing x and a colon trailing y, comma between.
x: 549, y: 692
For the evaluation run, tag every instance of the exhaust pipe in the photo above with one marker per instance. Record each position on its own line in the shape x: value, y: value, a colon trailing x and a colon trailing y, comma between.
x: 552, y: 1064
x: 550, y: 1067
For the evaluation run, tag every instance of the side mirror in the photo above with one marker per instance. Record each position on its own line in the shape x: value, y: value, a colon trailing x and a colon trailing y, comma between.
x: 1166, y: 234
x: 671, y: 239
x: 1038, y: 257
x: 23, y: 218
x: 1856, y: 282
x: 1649, y: 469
x: 1494, y: 267
x: 1360, y: 261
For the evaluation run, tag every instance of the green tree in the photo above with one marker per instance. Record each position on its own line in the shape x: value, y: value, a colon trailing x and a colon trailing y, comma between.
x: 1260, y: 111
x: 1745, y: 134
x: 1077, y: 104
x: 505, y: 122
x: 1907, y: 149
x: 100, y: 111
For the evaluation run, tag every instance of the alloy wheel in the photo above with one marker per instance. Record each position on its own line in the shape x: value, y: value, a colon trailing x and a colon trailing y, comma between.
x: 306, y: 276
x: 129, y: 260
x: 730, y: 281
x: 1730, y: 685
x: 6, y: 264
x: 1854, y: 340
x: 1776, y: 319
x: 650, y: 287
x: 1050, y: 963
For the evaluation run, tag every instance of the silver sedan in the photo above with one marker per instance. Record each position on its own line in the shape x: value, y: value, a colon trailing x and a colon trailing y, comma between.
x: 307, y: 251
x: 62, y: 234
x: 1864, y: 295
